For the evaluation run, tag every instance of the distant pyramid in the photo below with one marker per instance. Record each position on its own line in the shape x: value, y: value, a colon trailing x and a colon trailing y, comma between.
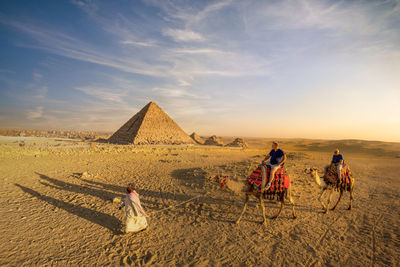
x: 213, y: 141
x: 238, y: 142
x: 151, y: 125
x: 197, y: 138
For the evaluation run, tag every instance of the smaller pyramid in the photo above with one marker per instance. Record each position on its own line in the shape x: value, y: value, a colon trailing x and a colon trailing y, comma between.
x: 213, y: 141
x: 151, y: 125
x: 197, y: 138
x: 238, y: 142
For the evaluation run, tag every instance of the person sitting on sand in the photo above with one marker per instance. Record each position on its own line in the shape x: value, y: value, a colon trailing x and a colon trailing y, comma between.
x: 337, y: 160
x: 277, y: 158
x: 135, y: 214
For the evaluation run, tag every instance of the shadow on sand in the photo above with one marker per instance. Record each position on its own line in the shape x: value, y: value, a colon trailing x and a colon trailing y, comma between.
x: 100, y: 218
x: 193, y: 178
x: 80, y: 189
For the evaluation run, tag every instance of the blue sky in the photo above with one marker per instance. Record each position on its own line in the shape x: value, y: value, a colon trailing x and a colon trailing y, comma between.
x: 313, y: 69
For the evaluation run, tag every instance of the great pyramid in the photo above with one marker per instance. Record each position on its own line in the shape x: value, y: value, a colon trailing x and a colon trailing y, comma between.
x: 151, y: 125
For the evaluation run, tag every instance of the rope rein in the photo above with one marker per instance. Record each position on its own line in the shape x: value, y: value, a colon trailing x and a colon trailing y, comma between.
x: 157, y: 211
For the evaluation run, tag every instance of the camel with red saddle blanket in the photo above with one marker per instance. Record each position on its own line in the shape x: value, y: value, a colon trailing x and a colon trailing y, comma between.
x: 330, y: 182
x: 280, y: 188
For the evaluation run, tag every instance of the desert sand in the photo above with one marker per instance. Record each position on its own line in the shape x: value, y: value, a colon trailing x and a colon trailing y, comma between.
x: 57, y: 208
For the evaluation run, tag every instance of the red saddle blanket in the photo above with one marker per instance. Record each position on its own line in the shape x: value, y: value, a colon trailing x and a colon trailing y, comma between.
x: 331, y: 177
x: 280, y: 183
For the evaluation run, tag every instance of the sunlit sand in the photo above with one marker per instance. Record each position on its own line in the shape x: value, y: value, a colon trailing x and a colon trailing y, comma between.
x: 57, y: 205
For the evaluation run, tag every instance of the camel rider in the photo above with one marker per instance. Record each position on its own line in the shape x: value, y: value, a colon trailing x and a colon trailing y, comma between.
x: 337, y: 160
x: 277, y: 158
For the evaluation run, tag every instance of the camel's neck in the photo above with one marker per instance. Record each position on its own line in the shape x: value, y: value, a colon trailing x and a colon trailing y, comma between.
x: 236, y: 187
x: 317, y: 179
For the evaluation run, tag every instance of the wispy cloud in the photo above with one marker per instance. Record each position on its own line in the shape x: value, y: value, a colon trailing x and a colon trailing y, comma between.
x: 177, y: 93
x: 68, y: 46
x: 204, y: 51
x: 189, y: 16
x: 112, y: 89
x: 348, y: 21
x: 36, y: 113
x: 136, y: 43
x: 38, y: 86
x: 223, y: 58
x: 102, y: 93
x: 180, y: 35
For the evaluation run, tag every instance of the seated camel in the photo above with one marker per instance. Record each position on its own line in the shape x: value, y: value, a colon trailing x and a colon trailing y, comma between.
x: 330, y: 182
x: 250, y: 188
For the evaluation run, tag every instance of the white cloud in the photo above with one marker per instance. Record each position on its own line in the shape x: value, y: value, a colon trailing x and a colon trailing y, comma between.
x: 189, y: 15
x: 183, y: 83
x: 176, y: 92
x: 204, y: 51
x: 340, y: 17
x: 201, y: 55
x: 102, y: 93
x: 136, y: 43
x: 68, y: 46
x: 180, y: 35
x: 36, y: 113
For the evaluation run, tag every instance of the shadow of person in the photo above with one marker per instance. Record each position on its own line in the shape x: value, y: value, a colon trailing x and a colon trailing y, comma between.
x: 109, y: 187
x: 142, y: 191
x: 96, y: 189
x: 100, y: 218
x: 57, y: 184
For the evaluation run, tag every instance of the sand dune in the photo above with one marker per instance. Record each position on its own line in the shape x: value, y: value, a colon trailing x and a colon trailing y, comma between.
x: 56, y: 205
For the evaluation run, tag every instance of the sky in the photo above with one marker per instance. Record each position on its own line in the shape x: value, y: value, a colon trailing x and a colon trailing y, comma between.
x: 284, y: 69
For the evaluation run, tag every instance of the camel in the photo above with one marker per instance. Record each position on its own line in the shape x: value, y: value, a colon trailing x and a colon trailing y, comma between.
x: 325, y: 187
x: 249, y: 190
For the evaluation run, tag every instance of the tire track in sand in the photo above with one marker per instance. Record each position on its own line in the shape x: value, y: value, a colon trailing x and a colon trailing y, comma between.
x: 373, y: 240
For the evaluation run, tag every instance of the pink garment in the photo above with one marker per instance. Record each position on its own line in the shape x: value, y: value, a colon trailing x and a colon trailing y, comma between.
x: 134, y: 197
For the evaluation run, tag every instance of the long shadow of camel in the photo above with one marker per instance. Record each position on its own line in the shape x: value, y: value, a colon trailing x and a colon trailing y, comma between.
x: 171, y: 196
x: 106, y: 191
x: 100, y: 218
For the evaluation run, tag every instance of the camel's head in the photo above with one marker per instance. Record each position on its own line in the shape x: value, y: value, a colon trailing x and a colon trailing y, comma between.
x: 221, y: 180
x: 311, y: 171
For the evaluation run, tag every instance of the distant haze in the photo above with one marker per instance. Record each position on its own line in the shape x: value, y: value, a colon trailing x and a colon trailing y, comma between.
x: 311, y: 69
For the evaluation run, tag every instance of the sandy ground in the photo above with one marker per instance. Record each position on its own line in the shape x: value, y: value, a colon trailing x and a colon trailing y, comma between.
x: 51, y: 214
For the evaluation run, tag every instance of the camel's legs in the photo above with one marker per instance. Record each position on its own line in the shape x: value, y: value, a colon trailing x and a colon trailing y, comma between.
x: 280, y: 210
x: 264, y: 222
x: 351, y: 198
x: 282, y: 204
x: 340, y: 197
x: 244, y: 209
x: 292, y: 202
x: 329, y: 201
x: 320, y: 198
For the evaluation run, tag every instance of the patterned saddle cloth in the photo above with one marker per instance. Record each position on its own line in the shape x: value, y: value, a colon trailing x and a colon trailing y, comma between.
x: 280, y: 183
x: 331, y: 177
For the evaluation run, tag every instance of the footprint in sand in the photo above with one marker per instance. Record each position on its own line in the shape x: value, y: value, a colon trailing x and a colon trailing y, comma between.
x: 149, y: 258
